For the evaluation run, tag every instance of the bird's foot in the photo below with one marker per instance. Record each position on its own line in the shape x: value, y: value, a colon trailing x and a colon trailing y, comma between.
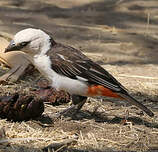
x: 70, y: 111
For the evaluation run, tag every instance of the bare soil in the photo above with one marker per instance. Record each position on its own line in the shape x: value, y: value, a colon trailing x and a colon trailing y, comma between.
x: 121, y: 36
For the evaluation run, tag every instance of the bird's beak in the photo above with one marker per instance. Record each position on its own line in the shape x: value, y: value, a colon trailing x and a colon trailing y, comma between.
x: 12, y: 46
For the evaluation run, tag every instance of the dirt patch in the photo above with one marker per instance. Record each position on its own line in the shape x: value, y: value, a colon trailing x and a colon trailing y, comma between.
x: 121, y: 36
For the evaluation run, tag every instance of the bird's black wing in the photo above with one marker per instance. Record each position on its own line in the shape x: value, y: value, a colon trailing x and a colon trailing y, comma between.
x: 72, y: 63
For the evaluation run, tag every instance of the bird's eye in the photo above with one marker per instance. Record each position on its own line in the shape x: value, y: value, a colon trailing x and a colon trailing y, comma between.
x: 13, y: 44
x: 24, y: 43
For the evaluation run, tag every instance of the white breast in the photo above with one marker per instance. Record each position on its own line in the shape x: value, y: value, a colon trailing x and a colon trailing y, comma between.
x: 43, y: 64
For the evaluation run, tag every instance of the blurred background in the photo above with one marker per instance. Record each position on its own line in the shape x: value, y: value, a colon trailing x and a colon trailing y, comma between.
x: 116, y: 31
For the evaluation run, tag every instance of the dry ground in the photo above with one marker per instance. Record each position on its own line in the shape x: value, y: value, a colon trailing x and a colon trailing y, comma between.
x: 121, y: 35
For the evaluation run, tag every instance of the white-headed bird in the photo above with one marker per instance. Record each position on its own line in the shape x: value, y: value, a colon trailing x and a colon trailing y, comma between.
x: 69, y: 69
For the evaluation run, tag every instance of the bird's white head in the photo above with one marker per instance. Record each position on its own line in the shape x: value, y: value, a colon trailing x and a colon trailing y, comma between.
x: 31, y: 41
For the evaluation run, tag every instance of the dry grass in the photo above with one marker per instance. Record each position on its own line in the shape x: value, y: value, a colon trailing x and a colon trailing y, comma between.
x: 98, y: 127
x: 94, y: 132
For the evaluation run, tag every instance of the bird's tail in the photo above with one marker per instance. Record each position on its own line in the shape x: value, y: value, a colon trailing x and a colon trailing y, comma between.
x: 133, y: 101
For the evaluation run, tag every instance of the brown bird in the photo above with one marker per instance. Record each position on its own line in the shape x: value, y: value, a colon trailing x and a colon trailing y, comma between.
x: 68, y: 69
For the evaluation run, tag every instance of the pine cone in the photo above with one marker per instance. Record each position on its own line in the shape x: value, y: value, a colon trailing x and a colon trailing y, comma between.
x: 48, y: 94
x: 52, y: 96
x: 20, y: 107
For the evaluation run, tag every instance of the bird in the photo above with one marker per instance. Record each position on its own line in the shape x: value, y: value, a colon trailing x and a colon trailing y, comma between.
x: 69, y: 69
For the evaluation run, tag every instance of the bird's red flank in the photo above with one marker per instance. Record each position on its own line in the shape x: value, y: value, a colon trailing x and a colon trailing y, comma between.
x: 99, y: 90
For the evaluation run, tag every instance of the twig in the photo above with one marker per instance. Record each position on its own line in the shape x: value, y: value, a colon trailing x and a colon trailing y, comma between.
x: 138, y: 76
x: 114, y: 142
x: 22, y: 139
x: 58, y: 146
x: 104, y: 28
x: 148, y: 22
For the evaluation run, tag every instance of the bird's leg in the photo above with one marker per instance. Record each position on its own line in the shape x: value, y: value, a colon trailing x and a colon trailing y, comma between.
x: 78, y: 102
